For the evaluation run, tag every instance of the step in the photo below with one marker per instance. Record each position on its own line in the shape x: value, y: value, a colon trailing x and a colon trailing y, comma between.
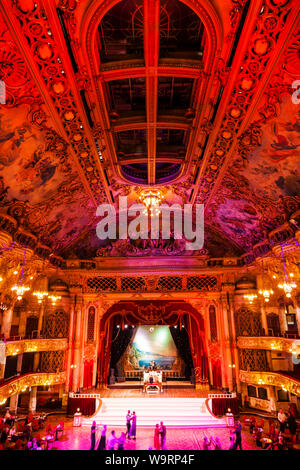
x: 150, y: 410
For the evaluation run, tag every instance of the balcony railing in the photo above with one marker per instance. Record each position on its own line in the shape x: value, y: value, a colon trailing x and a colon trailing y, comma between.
x: 21, y: 383
x: 13, y: 348
x: 274, y: 379
x: 270, y: 343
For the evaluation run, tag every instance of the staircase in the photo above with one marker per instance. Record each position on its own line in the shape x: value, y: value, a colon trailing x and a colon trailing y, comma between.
x: 150, y: 410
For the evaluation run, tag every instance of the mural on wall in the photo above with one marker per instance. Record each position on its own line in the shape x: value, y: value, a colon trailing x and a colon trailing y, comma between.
x: 258, y: 191
x: 152, y: 345
x: 36, y: 171
x: 273, y: 167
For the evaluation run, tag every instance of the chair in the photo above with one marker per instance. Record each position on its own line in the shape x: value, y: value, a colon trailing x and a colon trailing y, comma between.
x: 60, y: 428
x: 35, y: 425
x: 48, y: 428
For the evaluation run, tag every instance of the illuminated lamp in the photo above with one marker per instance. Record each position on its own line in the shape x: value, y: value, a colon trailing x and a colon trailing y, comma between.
x: 151, y: 197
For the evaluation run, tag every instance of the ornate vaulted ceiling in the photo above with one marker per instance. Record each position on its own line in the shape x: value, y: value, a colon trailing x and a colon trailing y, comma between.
x: 106, y: 97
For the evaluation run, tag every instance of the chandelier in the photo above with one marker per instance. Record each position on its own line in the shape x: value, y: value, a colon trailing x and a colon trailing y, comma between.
x: 266, y: 293
x: 54, y: 298
x: 288, y: 285
x: 250, y: 297
x: 40, y: 296
x: 20, y: 290
x: 151, y: 198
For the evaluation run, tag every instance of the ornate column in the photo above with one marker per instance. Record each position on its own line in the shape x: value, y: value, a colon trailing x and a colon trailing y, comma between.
x: 13, y: 403
x: 69, y: 352
x: 264, y: 321
x: 77, y: 350
x: 2, y: 359
x: 7, y: 321
x: 32, y: 399
x: 19, y: 363
x: 41, y: 319
x: 229, y: 358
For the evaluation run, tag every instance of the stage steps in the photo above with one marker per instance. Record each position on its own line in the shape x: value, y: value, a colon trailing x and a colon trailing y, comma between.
x: 151, y: 409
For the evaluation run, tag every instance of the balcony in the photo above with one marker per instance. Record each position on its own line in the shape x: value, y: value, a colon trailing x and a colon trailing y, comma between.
x: 21, y: 346
x: 274, y: 379
x: 23, y: 382
x: 269, y: 343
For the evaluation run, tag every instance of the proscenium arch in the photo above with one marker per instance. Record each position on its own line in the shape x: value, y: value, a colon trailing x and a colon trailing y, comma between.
x: 87, y: 32
x: 173, y: 312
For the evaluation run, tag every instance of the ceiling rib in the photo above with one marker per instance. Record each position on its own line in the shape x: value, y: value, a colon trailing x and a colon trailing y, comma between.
x: 151, y: 51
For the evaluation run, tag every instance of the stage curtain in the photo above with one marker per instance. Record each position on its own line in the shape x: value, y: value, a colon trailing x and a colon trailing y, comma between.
x: 196, y: 339
x: 217, y: 374
x: 88, y: 374
x: 87, y: 406
x: 220, y: 406
x: 181, y: 340
x: 119, y: 343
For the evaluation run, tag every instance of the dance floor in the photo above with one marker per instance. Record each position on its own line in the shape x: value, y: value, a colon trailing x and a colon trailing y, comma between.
x: 78, y: 438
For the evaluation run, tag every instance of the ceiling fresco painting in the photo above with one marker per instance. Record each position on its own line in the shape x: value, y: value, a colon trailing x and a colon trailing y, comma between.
x: 101, y: 103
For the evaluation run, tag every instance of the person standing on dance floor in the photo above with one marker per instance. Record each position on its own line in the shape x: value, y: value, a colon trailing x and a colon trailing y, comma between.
x: 128, y: 423
x: 112, y: 441
x: 132, y: 432
x: 93, y: 435
x: 231, y: 440
x: 156, y: 438
x: 121, y: 441
x: 102, y: 442
x: 163, y: 435
x: 238, y: 436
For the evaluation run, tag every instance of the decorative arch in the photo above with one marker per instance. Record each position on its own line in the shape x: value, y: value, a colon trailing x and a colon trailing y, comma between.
x: 157, y: 313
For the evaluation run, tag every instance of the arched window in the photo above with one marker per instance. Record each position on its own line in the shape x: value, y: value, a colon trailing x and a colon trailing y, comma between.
x: 213, y: 324
x: 91, y: 325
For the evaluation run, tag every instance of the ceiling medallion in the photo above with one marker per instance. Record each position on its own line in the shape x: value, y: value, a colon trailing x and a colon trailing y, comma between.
x: 152, y: 198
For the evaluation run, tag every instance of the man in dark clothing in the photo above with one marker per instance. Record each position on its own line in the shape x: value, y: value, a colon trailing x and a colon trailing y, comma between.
x: 163, y: 433
x: 93, y: 435
x: 292, y: 424
x: 238, y: 435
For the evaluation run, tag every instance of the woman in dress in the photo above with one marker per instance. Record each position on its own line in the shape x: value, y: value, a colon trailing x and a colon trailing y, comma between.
x: 121, y: 441
x: 102, y: 442
x: 132, y: 432
x: 156, y: 438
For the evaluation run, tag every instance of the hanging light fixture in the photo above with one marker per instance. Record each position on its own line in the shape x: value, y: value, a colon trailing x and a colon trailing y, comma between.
x: 40, y: 296
x: 54, y: 298
x: 20, y: 289
x: 288, y: 285
x: 152, y: 198
x: 250, y: 297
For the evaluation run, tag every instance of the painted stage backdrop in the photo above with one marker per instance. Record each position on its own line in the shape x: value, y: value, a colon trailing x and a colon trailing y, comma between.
x: 151, y: 343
